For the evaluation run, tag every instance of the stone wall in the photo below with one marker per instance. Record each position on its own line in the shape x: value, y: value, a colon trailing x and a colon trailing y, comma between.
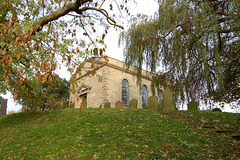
x: 106, y: 86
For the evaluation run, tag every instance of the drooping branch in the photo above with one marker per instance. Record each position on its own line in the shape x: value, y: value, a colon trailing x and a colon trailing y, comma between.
x: 13, y: 10
x: 184, y: 26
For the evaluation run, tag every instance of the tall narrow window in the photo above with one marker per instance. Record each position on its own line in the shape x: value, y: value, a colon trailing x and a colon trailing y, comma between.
x: 160, y: 96
x: 125, y: 92
x: 144, y: 96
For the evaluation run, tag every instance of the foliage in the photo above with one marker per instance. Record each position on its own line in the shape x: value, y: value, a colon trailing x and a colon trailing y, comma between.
x: 195, y: 44
x: 42, y: 96
x: 117, y: 134
x: 36, y: 36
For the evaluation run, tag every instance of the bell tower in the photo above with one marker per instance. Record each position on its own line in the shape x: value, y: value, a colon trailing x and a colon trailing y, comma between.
x: 97, y: 47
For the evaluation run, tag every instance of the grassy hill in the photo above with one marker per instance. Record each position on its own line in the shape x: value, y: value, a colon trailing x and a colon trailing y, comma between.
x: 119, y: 134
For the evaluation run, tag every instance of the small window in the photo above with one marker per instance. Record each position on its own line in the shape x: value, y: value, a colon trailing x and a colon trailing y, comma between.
x: 101, y: 52
x: 160, y: 96
x: 125, y: 92
x: 95, y: 51
x: 144, y: 96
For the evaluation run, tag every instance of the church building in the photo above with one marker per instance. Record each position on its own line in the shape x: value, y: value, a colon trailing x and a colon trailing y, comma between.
x: 104, y: 79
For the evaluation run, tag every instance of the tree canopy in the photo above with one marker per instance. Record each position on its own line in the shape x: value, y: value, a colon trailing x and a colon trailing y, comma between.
x: 193, y: 43
x: 36, y: 36
x: 43, y: 96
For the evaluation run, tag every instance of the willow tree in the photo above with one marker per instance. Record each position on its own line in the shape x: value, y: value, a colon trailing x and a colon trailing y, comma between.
x: 193, y: 43
x: 33, y: 33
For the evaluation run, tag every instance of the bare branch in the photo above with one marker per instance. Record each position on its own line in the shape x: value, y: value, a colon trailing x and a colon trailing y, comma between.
x: 102, y: 3
x: 59, y: 13
x: 224, y: 19
x: 103, y: 12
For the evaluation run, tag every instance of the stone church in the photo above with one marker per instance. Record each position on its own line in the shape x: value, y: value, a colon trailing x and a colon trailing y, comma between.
x: 104, y: 79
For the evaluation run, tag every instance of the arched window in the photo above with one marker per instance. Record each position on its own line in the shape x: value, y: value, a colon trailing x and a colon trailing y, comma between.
x: 95, y: 52
x: 160, y: 96
x: 125, y: 92
x: 144, y: 96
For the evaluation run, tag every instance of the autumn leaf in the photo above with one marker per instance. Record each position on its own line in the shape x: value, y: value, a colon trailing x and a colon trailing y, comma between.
x: 7, y: 80
x: 77, y: 50
x: 7, y: 59
x: 53, y: 67
x: 47, y: 67
x: 43, y: 66
x: 38, y: 77
x: 45, y: 78
x: 15, y: 96
x: 21, y: 82
x: 19, y: 56
x: 18, y: 40
x: 21, y: 69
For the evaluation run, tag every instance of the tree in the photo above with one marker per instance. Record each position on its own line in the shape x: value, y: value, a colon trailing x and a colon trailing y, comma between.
x: 193, y: 43
x: 36, y: 34
x: 43, y: 96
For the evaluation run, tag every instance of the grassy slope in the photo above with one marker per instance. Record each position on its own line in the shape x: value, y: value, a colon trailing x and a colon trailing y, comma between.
x: 118, y: 134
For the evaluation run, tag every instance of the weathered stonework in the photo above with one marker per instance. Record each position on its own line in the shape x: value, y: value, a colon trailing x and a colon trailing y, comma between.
x: 192, y: 106
x: 153, y: 104
x: 133, y: 103
x: 118, y: 104
x: 168, y: 102
x: 3, y: 106
x: 107, y: 105
x: 103, y: 83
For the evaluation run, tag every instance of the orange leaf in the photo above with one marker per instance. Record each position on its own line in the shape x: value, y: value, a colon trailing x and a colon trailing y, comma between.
x: 19, y: 56
x: 21, y: 83
x: 7, y: 59
x: 21, y: 69
x: 7, y: 80
x: 38, y: 77
x: 15, y: 96
x: 77, y: 50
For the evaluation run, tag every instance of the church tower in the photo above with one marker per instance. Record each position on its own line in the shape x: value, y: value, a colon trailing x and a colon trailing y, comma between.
x: 97, y: 47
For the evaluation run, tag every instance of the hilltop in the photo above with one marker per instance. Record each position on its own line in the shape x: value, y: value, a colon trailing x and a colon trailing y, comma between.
x: 119, y: 134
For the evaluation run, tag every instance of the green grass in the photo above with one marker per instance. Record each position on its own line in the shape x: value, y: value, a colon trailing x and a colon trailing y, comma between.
x: 118, y: 134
